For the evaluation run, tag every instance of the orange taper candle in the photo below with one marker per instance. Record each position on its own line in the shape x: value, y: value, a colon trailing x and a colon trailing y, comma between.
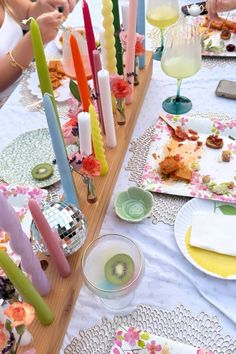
x: 80, y: 74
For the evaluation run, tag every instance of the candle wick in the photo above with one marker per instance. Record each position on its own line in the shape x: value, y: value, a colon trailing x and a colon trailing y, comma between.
x: 24, y: 22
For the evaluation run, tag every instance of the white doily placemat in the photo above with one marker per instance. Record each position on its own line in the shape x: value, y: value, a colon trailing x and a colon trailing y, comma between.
x: 178, y: 324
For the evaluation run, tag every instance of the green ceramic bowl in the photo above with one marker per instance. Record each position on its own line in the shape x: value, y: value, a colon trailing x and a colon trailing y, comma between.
x: 133, y: 205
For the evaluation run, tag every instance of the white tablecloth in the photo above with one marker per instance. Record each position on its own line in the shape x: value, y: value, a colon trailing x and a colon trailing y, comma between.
x: 169, y: 278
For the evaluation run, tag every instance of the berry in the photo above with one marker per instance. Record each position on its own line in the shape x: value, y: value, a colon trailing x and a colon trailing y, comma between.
x: 230, y: 47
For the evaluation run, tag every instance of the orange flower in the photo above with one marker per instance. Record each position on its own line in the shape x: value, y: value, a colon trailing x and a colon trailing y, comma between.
x: 91, y: 166
x: 121, y: 89
x: 139, y: 49
x: 21, y: 313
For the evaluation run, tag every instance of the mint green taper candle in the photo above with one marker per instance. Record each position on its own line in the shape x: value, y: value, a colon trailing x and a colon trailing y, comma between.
x: 41, y: 63
x: 26, y: 289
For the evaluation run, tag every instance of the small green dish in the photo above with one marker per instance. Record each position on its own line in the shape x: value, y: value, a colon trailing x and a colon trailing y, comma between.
x: 133, y: 205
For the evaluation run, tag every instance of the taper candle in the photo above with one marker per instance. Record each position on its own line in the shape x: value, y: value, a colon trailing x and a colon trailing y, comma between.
x: 130, y: 50
x: 97, y: 139
x: 51, y: 239
x: 26, y: 289
x: 140, y: 28
x: 91, y: 44
x: 105, y: 92
x: 116, y: 23
x: 84, y: 133
x: 97, y: 67
x: 103, y: 49
x: 109, y: 39
x: 60, y: 153
x: 41, y: 63
x: 80, y: 74
x: 21, y: 245
x: 125, y: 14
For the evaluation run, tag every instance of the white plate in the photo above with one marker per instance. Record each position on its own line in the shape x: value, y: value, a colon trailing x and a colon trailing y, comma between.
x: 18, y: 197
x: 214, y: 35
x: 183, y: 222
x: 61, y: 94
x: 209, y: 159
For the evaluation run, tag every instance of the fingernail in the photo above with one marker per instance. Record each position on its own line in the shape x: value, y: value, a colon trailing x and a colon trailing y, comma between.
x: 60, y: 9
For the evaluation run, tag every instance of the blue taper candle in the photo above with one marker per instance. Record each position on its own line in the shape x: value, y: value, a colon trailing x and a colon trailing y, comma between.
x: 140, y: 28
x: 60, y: 152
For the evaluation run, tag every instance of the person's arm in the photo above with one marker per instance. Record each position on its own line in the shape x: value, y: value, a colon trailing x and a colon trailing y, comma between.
x: 215, y: 6
x: 22, y: 53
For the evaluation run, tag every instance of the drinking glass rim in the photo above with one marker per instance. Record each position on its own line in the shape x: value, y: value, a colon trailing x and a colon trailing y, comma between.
x: 126, y: 286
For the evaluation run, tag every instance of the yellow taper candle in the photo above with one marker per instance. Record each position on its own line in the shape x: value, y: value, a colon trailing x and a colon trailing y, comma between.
x: 109, y: 38
x: 98, y: 140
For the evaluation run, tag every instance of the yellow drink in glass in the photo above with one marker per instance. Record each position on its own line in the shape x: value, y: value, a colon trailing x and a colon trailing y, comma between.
x: 180, y: 67
x: 162, y: 16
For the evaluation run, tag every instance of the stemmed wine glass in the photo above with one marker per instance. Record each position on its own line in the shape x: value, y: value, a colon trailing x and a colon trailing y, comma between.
x: 161, y: 14
x: 181, y: 58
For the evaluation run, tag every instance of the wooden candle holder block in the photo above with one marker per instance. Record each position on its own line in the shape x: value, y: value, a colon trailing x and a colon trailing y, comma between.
x: 48, y: 340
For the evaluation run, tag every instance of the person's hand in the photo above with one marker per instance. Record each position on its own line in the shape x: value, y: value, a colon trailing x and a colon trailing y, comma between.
x: 215, y: 6
x: 49, y: 24
x: 51, y: 5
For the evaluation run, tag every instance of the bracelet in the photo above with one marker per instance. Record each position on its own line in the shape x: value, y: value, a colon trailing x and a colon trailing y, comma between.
x: 14, y: 63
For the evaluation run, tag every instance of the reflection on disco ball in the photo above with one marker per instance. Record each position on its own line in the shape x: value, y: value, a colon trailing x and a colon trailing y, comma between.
x: 68, y: 221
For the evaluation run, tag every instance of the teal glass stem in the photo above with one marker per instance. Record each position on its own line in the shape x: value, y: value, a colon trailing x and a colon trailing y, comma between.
x: 158, y: 52
x: 179, y: 82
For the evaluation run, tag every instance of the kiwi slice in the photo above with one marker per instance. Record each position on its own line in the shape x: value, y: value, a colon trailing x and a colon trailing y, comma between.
x: 119, y: 269
x: 42, y: 171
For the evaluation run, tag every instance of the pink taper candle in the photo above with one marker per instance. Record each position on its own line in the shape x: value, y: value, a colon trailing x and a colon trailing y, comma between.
x: 51, y: 239
x: 91, y: 44
x: 21, y: 245
x: 130, y: 50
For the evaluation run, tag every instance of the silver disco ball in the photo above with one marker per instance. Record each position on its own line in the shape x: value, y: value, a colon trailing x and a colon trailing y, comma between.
x: 68, y: 221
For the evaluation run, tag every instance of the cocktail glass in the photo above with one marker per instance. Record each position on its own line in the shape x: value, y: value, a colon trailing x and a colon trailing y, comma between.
x: 181, y: 58
x: 67, y: 59
x: 162, y: 14
x: 97, y: 254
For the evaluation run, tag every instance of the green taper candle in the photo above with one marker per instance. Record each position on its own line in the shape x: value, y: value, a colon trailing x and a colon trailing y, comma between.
x: 116, y: 24
x: 41, y: 63
x: 26, y: 289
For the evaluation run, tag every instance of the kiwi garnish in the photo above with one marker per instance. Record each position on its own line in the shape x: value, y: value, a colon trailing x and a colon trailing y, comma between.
x: 119, y: 269
x: 42, y: 171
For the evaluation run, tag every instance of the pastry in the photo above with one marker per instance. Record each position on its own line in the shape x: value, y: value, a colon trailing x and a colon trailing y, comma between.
x: 169, y: 165
x: 214, y: 142
x: 225, y: 35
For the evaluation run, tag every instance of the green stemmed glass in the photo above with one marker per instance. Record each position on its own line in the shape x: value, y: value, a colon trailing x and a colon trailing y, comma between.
x: 162, y: 14
x: 181, y: 58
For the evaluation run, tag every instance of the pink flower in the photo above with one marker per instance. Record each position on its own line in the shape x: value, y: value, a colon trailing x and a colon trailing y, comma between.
x: 121, y: 89
x: 203, y: 351
x: 131, y: 336
x: 91, y: 166
x: 69, y: 136
x: 114, y: 78
x: 75, y: 160
x: 153, y: 347
x: 116, y: 351
x: 118, y: 338
x: 20, y: 313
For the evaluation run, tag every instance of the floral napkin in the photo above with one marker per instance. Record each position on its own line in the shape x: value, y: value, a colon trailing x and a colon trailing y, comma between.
x: 133, y: 341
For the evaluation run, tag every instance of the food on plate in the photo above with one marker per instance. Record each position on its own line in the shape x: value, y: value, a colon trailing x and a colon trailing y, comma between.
x: 172, y: 167
x: 214, y: 142
x: 225, y: 34
x: 220, y: 188
x: 181, y: 134
x: 226, y: 155
x: 182, y: 174
x: 169, y: 165
x: 219, y: 24
x: 42, y: 171
x: 195, y: 166
x: 119, y: 269
x: 230, y: 47
x: 56, y: 73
